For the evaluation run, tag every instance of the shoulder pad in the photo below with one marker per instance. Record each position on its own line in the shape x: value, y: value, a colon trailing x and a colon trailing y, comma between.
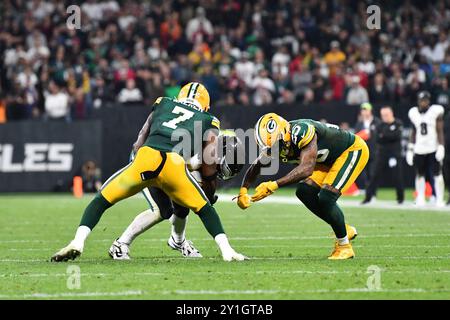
x: 412, y: 111
x: 215, y: 122
x: 302, y: 133
x: 157, y: 101
x: 438, y: 109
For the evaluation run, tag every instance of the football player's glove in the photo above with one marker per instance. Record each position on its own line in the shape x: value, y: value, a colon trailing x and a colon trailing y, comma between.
x: 440, y: 153
x: 264, y: 189
x: 410, y: 154
x: 243, y: 199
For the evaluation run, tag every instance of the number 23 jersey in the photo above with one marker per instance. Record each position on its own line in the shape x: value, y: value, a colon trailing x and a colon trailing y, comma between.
x: 425, y: 124
x: 173, y: 122
x: 331, y: 141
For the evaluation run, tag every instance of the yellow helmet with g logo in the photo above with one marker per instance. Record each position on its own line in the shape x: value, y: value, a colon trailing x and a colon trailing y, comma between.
x: 271, y: 128
x: 195, y: 94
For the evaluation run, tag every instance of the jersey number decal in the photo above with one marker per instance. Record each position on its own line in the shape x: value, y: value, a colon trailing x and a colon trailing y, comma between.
x: 423, y: 129
x: 185, y: 115
x: 295, y: 132
x: 322, y: 155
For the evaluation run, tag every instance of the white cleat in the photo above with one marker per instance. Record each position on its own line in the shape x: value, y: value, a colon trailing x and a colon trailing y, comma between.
x: 233, y: 255
x: 70, y: 252
x: 186, y: 248
x: 119, y: 251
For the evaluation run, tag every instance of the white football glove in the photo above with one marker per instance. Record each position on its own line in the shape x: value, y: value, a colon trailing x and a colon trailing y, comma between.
x: 410, y: 154
x: 440, y: 153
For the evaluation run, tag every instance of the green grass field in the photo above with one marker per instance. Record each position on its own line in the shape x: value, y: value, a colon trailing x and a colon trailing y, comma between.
x: 288, y: 246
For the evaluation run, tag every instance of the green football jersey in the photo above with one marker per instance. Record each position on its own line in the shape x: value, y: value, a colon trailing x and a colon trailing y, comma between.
x: 174, y: 121
x: 331, y: 141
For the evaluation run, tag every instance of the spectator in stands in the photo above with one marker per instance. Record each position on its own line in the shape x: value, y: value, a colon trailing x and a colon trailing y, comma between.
x: 378, y: 91
x: 17, y: 107
x: 280, y: 61
x: 442, y: 92
x: 357, y: 94
x: 416, y: 75
x: 211, y: 82
x: 444, y: 67
x: 334, y: 56
x: 121, y: 39
x: 130, y: 94
x: 264, y: 88
x: 337, y: 83
x: 245, y: 69
x: 27, y: 78
x: 124, y: 72
x: 182, y: 72
x: 199, y: 27
x: 56, y: 103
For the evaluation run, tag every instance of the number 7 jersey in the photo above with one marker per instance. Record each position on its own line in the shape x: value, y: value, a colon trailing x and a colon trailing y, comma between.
x: 425, y: 124
x: 173, y: 121
x: 331, y: 141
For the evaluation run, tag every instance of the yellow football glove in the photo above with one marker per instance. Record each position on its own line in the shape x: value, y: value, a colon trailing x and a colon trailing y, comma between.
x: 243, y: 199
x: 264, y: 189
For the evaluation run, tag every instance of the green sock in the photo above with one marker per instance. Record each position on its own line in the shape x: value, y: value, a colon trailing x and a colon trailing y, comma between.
x: 94, y: 211
x: 332, y: 212
x: 211, y: 220
x: 322, y: 203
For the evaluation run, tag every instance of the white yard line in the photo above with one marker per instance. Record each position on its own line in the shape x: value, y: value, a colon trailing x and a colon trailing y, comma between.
x: 251, y: 258
x: 72, y: 295
x: 381, y: 235
x: 292, y: 245
x: 44, y: 275
x: 211, y: 292
x: 275, y: 291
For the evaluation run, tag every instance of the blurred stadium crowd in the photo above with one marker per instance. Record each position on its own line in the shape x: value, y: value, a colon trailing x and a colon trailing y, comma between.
x: 245, y: 52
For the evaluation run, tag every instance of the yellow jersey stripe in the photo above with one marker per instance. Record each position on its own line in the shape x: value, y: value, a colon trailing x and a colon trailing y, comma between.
x: 308, y: 136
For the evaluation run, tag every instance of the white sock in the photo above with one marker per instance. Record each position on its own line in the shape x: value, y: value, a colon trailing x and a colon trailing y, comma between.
x: 420, y: 188
x: 222, y: 241
x: 143, y: 221
x: 80, y: 237
x: 440, y: 189
x: 342, y: 241
x: 178, y: 228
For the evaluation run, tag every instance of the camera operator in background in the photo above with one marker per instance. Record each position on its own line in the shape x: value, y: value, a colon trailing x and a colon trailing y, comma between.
x: 388, y: 136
